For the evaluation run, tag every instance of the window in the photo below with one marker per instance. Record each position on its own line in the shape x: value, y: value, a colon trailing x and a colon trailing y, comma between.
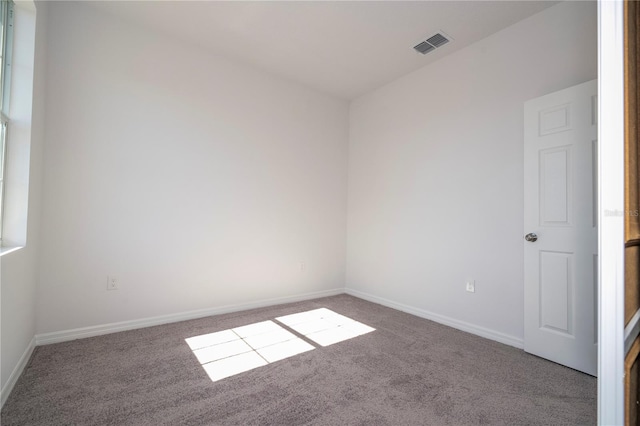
x: 6, y: 43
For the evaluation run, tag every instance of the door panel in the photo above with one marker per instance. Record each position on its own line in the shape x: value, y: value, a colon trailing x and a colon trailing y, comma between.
x: 556, y: 288
x: 555, y: 191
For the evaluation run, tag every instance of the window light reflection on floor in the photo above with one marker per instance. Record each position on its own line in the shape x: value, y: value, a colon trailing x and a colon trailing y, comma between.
x: 324, y: 326
x: 229, y: 352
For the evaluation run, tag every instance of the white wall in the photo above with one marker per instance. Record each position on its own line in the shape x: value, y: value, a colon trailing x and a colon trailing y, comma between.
x: 18, y: 277
x: 196, y: 181
x: 436, y: 171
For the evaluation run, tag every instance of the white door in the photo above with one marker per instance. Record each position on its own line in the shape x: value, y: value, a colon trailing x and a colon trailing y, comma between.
x: 560, y: 211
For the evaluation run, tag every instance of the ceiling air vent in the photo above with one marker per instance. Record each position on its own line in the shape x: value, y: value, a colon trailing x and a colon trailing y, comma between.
x: 437, y: 40
x: 431, y: 43
x: 424, y: 47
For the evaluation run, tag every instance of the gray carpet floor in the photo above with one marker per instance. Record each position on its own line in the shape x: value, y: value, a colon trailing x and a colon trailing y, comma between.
x: 409, y: 371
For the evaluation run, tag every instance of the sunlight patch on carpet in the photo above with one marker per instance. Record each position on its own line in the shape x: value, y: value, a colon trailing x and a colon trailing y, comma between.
x: 229, y: 352
x: 324, y: 326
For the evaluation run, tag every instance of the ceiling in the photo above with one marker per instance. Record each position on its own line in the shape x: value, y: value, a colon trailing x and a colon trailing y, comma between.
x: 343, y: 48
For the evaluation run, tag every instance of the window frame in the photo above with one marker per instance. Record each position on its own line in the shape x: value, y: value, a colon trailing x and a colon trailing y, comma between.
x: 6, y: 56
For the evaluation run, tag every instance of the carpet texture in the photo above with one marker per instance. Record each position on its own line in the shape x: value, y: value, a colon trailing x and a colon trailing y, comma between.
x: 409, y: 371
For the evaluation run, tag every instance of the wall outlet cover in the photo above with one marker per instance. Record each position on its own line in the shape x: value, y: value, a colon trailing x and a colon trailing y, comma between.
x: 471, y: 286
x: 112, y: 283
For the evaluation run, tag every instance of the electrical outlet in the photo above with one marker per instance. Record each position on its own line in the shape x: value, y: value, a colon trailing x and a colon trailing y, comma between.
x: 112, y: 283
x: 471, y: 286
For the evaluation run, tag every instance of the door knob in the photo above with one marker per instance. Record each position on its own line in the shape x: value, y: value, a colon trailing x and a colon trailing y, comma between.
x: 531, y: 237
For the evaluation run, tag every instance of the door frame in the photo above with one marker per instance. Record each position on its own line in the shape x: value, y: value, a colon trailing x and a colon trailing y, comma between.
x: 610, y: 202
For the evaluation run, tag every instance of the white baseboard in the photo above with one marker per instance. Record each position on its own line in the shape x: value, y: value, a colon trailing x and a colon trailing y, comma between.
x: 451, y: 322
x: 17, y: 371
x: 79, y: 333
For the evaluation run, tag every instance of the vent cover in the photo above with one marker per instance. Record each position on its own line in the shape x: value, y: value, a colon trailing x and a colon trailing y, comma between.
x: 424, y: 47
x: 437, y: 40
x: 431, y: 43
